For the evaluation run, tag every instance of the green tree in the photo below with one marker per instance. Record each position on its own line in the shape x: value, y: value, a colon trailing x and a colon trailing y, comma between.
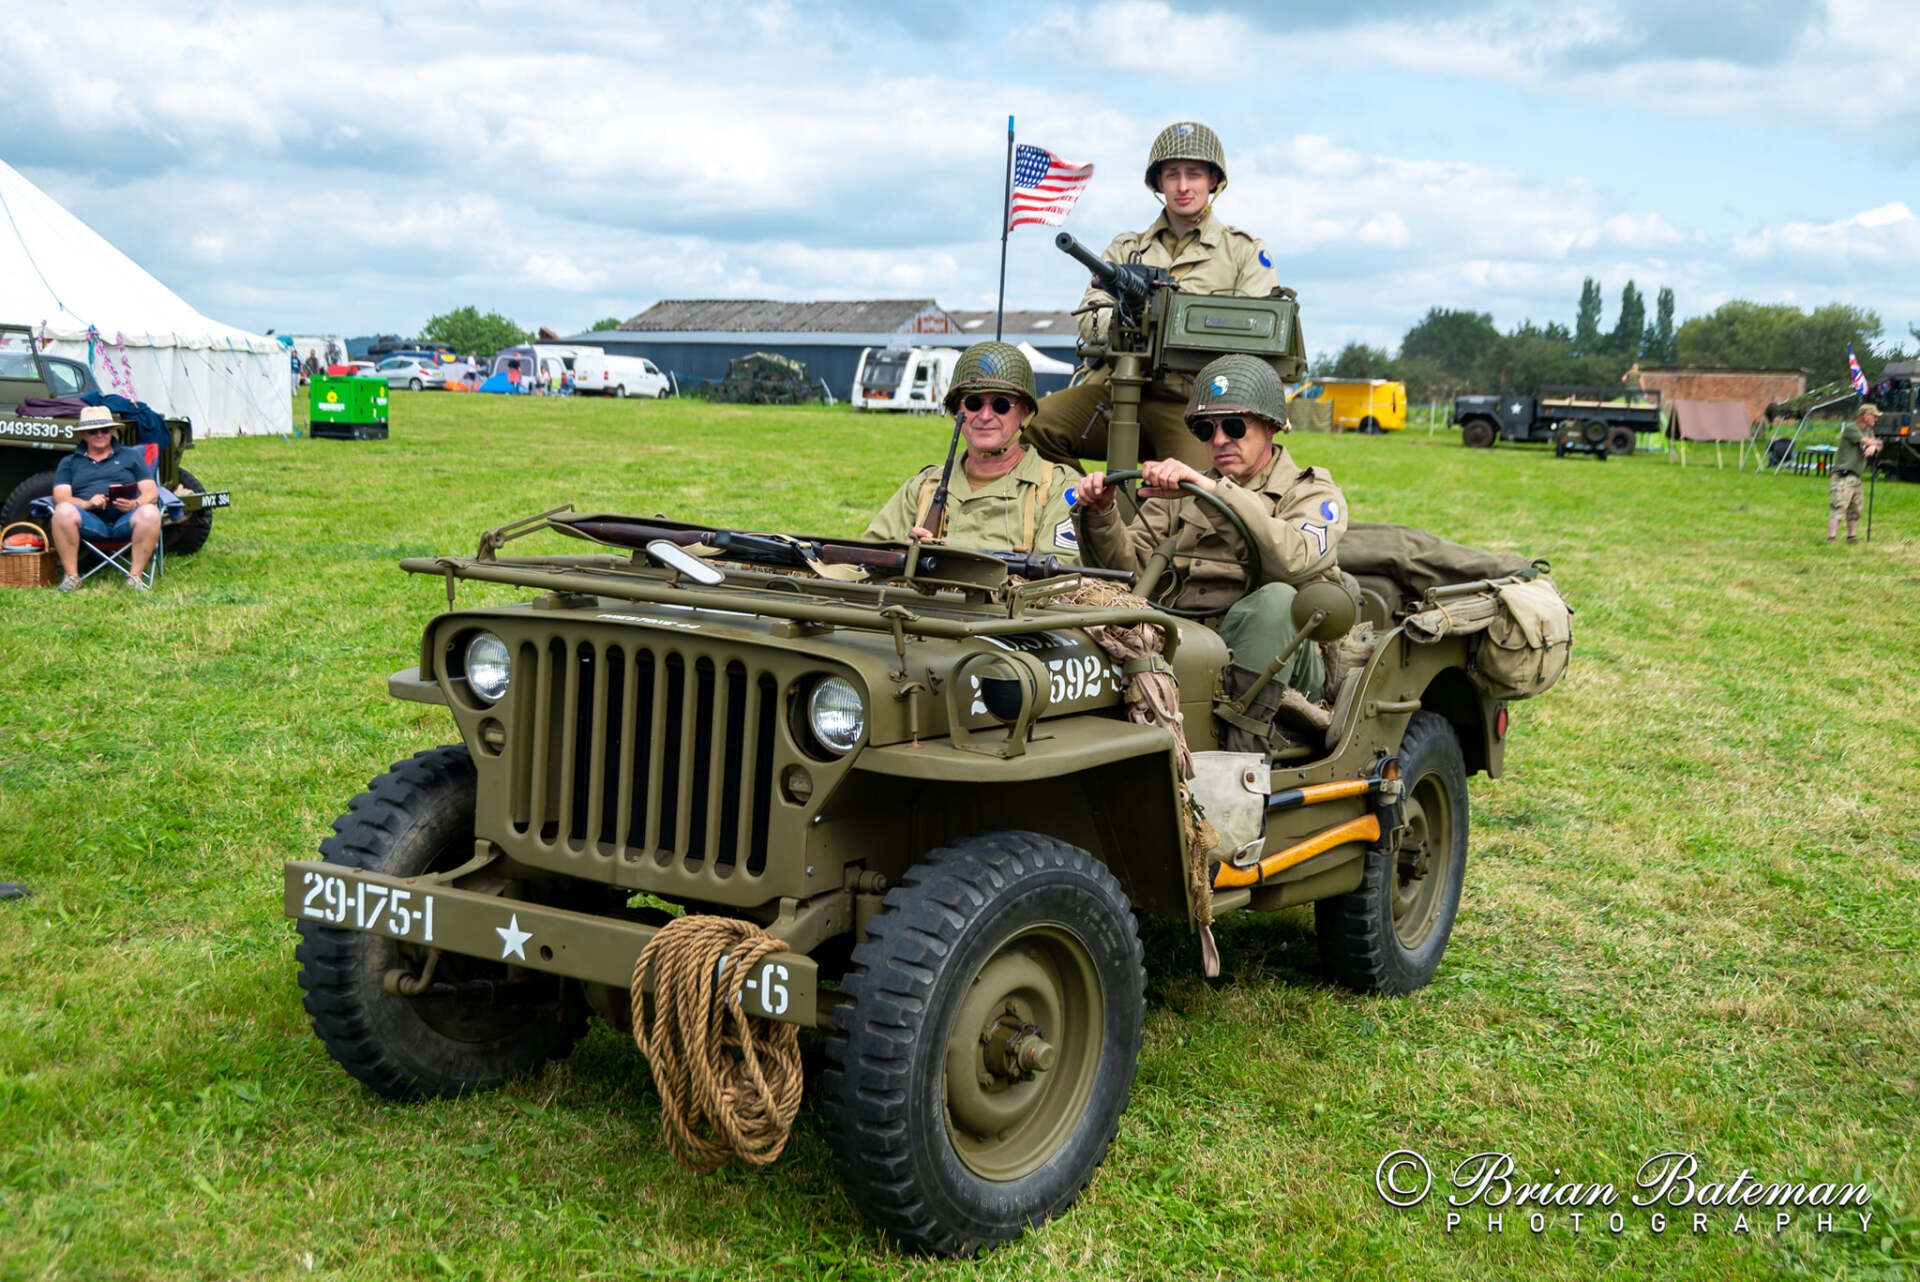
x: 1459, y: 343
x: 465, y: 330
x: 604, y: 323
x: 1629, y: 325
x: 1586, y: 324
x: 1528, y: 359
x: 1781, y: 336
x: 1357, y: 360
x: 1656, y: 344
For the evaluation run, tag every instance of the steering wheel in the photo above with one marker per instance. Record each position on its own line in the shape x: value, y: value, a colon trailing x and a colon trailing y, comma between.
x: 1152, y: 577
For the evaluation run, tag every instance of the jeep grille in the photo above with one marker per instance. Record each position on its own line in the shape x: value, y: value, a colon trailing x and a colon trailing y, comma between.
x: 644, y: 753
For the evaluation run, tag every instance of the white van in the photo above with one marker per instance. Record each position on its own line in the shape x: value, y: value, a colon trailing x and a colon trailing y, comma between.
x: 599, y: 374
x: 903, y: 378
x: 547, y: 361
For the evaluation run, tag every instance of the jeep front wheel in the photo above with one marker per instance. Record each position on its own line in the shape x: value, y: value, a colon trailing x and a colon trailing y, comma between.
x: 1476, y: 434
x: 478, y: 1024
x: 979, y: 1069
x: 1389, y: 935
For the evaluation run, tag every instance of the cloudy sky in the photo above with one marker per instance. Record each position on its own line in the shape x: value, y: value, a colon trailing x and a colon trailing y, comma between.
x: 356, y: 167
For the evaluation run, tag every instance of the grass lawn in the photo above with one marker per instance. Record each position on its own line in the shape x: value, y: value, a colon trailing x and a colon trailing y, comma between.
x: 1689, y: 921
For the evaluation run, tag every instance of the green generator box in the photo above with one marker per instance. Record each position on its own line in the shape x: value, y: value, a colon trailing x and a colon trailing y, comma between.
x: 1195, y: 328
x: 349, y: 409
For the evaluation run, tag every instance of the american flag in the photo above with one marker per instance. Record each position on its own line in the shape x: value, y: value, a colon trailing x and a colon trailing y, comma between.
x: 1853, y: 368
x: 1044, y: 187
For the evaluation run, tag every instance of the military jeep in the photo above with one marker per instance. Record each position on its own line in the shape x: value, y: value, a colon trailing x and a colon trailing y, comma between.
x: 922, y: 780
x: 30, y: 448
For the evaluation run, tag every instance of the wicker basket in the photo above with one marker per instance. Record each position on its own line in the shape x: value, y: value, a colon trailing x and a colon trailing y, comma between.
x: 28, y: 569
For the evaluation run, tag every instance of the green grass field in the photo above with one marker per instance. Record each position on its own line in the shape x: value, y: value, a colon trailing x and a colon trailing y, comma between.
x: 1689, y: 921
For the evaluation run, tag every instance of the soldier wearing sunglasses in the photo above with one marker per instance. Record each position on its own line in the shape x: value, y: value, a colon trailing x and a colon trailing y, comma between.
x: 1003, y: 496
x: 1295, y: 514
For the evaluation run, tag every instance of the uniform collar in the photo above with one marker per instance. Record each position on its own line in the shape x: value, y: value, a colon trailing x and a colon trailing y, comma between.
x: 1207, y: 232
x: 1025, y: 472
x: 1271, y: 479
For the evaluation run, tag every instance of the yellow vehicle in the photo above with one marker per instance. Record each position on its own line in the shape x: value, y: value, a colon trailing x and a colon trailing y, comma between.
x: 1369, y: 405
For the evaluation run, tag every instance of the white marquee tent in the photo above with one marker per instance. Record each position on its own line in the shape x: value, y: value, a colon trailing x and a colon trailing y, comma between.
x: 62, y: 278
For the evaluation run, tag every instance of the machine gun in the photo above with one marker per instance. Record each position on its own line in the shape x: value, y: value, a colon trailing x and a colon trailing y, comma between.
x: 1159, y: 329
x: 791, y: 553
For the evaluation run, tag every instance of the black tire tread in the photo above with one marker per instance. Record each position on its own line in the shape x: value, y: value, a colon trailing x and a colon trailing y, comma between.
x: 393, y: 803
x: 890, y: 981
x: 1352, y: 937
x: 184, y: 538
x: 15, y: 506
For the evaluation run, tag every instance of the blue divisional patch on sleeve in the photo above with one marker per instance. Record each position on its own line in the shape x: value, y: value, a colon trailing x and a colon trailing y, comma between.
x: 1330, y: 510
x: 1264, y: 260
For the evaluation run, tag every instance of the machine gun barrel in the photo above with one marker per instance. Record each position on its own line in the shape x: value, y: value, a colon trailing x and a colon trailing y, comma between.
x: 766, y: 549
x: 1108, y: 274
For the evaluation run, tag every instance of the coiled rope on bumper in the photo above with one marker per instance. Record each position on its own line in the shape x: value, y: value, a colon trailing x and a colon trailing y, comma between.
x: 729, y: 1081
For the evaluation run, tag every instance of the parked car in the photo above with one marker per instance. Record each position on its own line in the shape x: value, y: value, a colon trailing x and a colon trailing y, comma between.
x: 412, y: 373
x: 598, y: 374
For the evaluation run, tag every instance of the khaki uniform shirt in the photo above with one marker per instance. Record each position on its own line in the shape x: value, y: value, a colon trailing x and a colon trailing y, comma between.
x: 1023, y: 511
x: 1296, y: 516
x: 1213, y: 258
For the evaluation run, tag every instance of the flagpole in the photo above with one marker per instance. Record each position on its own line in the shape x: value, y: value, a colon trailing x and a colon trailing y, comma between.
x: 1006, y: 216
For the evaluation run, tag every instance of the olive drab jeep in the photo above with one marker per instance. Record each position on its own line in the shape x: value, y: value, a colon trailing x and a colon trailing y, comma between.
x: 911, y: 765
x: 30, y: 447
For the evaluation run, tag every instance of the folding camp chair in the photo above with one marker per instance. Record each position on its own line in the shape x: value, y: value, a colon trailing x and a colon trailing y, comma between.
x: 118, y: 553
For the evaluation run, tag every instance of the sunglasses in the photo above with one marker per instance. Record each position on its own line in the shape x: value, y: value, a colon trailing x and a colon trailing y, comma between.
x: 89, y: 431
x: 1001, y: 405
x: 1234, y: 426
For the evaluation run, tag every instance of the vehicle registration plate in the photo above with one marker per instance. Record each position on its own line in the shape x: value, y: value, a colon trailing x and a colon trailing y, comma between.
x: 365, y: 905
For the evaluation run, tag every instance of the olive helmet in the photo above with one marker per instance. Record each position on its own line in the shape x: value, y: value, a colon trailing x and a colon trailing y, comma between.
x: 1187, y: 140
x: 992, y: 367
x: 1238, y: 384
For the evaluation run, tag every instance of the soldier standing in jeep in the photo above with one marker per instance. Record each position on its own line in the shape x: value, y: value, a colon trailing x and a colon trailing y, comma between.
x: 1187, y: 170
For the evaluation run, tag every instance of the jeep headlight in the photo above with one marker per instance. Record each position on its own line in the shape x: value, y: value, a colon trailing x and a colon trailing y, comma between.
x: 836, y: 715
x: 488, y: 669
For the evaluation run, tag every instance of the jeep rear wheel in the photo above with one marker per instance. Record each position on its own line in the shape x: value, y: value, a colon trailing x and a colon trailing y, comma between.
x: 1476, y: 433
x: 1621, y: 440
x: 479, y: 1024
x: 979, y: 1070
x: 1389, y: 935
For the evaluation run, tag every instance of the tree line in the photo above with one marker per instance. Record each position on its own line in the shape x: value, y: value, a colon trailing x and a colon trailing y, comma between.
x: 468, y: 330
x: 1448, y: 351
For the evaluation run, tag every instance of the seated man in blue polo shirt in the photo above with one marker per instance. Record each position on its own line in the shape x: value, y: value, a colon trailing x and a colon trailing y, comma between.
x: 107, y: 492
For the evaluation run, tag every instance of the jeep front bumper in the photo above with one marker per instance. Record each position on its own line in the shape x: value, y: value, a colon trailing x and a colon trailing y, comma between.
x: 558, y: 941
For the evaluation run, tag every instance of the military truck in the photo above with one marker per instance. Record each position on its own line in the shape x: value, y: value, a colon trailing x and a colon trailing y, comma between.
x: 1898, y: 426
x: 30, y: 448
x: 1586, y: 420
x: 766, y: 378
x: 912, y: 766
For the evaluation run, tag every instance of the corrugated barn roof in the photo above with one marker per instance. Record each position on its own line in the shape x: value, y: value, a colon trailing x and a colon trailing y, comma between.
x: 764, y: 315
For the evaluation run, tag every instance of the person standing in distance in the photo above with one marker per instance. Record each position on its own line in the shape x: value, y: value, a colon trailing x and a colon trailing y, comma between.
x: 1187, y: 170
x: 1844, y: 494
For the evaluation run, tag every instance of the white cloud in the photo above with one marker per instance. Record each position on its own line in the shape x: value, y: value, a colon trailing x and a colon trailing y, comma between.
x: 1887, y: 235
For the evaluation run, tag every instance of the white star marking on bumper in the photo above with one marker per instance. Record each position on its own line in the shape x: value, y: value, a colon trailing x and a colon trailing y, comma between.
x: 513, y: 940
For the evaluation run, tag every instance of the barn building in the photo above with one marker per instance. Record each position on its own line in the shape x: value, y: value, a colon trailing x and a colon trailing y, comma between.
x: 693, y: 339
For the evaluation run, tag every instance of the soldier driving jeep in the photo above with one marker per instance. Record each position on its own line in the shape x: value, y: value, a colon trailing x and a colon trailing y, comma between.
x: 1295, y: 515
